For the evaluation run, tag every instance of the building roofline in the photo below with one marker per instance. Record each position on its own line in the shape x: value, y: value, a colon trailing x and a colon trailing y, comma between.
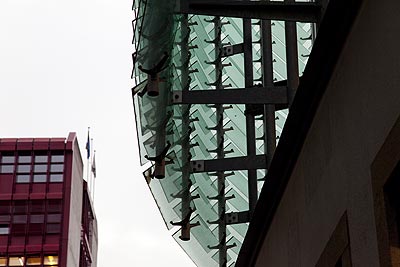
x: 331, y: 39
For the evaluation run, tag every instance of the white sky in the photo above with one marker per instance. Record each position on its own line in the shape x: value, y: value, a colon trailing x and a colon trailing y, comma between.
x: 64, y: 66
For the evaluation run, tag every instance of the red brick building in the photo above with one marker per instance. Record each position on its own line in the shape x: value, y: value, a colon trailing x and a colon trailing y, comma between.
x: 46, y: 213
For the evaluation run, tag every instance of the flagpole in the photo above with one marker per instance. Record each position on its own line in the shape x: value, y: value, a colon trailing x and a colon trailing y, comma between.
x: 91, y: 168
x: 94, y: 176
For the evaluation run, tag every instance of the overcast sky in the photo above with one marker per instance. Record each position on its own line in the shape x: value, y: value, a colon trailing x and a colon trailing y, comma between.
x: 64, y: 66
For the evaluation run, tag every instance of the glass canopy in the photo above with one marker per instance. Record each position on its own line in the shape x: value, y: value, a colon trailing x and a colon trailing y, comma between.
x: 185, y: 44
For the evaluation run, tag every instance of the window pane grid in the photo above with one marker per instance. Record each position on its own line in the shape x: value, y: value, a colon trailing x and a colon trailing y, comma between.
x: 23, y: 178
x: 7, y: 169
x: 33, y: 261
x: 30, y: 260
x: 40, y: 168
x: 16, y: 261
x: 41, y: 159
x: 39, y: 178
x: 8, y: 159
x: 3, y: 261
x: 56, y: 168
x: 57, y: 158
x: 24, y: 159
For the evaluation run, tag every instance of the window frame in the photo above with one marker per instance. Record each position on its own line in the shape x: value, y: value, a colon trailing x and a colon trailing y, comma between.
x: 382, y: 169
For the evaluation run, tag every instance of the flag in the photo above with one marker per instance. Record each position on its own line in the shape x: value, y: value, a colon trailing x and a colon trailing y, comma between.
x: 94, y: 165
x: 88, y: 146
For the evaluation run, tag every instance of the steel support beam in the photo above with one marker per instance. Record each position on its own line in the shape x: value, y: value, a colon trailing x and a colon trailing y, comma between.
x: 299, y: 11
x: 222, y: 250
x: 237, y: 217
x: 185, y: 109
x: 229, y: 164
x: 253, y: 95
x: 292, y: 61
x: 250, y: 119
x: 231, y: 50
x: 268, y: 81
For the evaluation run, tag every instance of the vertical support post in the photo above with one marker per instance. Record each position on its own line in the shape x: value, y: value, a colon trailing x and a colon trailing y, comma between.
x: 185, y: 204
x: 268, y: 81
x: 292, y: 65
x: 220, y: 146
x: 250, y: 120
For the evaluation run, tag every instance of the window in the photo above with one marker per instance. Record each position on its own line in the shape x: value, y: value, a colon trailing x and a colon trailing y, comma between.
x: 36, y: 229
x: 23, y: 178
x: 4, y: 207
x: 24, y: 168
x: 41, y: 158
x: 385, y: 176
x: 7, y: 169
x: 5, y: 218
x: 54, y: 206
x: 40, y: 168
x: 20, y: 218
x: 54, y: 218
x: 8, y: 160
x: 50, y: 260
x: 57, y: 167
x: 7, y: 164
x: 24, y: 159
x: 337, y: 250
x: 4, y: 229
x: 16, y: 261
x: 53, y: 228
x: 20, y: 206
x: 54, y: 178
x: 39, y: 218
x: 33, y: 260
x: 57, y: 158
x: 18, y: 229
x: 392, y: 204
x: 39, y: 178
x: 3, y: 261
x: 37, y: 206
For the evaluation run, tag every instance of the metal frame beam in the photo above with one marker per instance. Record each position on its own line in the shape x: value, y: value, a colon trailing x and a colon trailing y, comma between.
x: 229, y: 164
x: 237, y: 217
x: 299, y: 11
x: 231, y: 50
x: 185, y: 109
x: 250, y: 118
x: 252, y: 95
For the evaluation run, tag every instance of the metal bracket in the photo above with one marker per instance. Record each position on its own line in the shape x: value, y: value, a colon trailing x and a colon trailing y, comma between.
x: 197, y: 166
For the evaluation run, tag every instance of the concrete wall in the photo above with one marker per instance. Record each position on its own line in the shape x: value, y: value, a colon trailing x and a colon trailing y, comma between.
x: 333, y: 173
x: 75, y: 215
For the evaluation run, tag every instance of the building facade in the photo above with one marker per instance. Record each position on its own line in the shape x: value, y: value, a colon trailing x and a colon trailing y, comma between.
x: 333, y: 196
x: 46, y: 214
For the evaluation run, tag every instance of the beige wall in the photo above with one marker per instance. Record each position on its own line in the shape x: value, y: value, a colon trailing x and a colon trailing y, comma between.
x: 74, y: 236
x: 333, y: 172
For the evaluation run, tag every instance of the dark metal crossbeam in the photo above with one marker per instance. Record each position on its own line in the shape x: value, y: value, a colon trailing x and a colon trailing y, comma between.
x: 299, y: 11
x: 231, y: 50
x: 229, y: 164
x: 237, y: 217
x: 253, y: 95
